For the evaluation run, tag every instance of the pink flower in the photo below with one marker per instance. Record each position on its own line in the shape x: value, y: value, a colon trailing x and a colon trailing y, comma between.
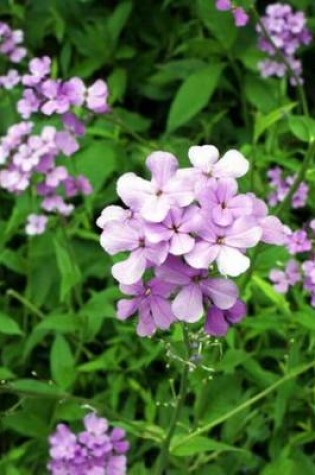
x: 119, y: 237
x: 154, y: 199
x: 225, y: 246
x: 36, y: 224
x: 222, y: 203
x: 150, y: 303
x: 196, y: 290
x: 223, y: 5
x: 176, y: 229
x: 96, y: 99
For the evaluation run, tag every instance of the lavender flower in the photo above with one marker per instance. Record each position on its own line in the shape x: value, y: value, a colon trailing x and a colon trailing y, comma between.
x: 288, y: 277
x: 218, y: 321
x: 288, y: 32
x: 240, y: 16
x: 281, y: 185
x: 11, y: 43
x: 96, y: 450
x: 175, y: 226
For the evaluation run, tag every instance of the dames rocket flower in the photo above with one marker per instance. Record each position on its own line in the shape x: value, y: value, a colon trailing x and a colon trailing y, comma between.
x: 185, y: 230
x: 288, y: 32
x: 96, y: 450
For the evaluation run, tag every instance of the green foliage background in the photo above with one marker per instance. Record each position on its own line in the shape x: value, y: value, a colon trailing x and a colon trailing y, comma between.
x: 180, y: 73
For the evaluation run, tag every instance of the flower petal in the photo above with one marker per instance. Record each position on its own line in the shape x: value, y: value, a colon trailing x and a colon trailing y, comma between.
x: 202, y: 255
x: 223, y: 292
x: 232, y: 262
x: 181, y: 244
x: 162, y: 165
x: 216, y: 324
x: 203, y: 157
x: 232, y: 165
x: 244, y: 233
x: 119, y: 237
x: 155, y: 208
x: 133, y: 190
x: 187, y: 305
x: 126, y: 308
x: 132, y: 269
x: 162, y: 312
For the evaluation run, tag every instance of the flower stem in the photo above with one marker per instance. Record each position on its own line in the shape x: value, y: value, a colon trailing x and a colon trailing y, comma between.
x: 162, y: 461
x: 284, y: 60
x: 299, y: 178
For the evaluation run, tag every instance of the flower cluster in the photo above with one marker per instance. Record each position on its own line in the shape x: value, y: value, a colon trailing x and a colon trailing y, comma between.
x: 11, y: 46
x: 29, y: 159
x: 96, y: 450
x: 281, y: 186
x: 288, y: 32
x: 54, y: 96
x: 240, y: 16
x: 178, y: 225
x: 298, y: 242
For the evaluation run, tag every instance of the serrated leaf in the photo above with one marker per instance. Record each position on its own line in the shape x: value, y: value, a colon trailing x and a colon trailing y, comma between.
x: 193, y: 95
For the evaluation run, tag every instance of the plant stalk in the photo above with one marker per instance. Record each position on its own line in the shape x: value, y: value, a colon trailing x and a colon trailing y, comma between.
x: 162, y: 461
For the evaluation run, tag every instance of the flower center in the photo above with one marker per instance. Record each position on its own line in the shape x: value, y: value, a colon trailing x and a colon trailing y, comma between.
x: 220, y: 239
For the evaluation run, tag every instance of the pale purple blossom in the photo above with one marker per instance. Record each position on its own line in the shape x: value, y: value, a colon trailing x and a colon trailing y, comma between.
x: 240, y: 16
x: 150, y: 302
x: 36, y: 224
x: 281, y: 184
x: 288, y: 32
x: 218, y: 321
x: 298, y: 241
x: 283, y: 280
x: 96, y: 450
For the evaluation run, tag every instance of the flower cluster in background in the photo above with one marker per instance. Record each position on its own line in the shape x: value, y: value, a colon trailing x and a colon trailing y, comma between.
x: 281, y: 185
x: 240, y: 16
x: 298, y: 242
x: 11, y: 47
x: 29, y: 159
x: 288, y: 32
x: 178, y: 225
x: 96, y: 450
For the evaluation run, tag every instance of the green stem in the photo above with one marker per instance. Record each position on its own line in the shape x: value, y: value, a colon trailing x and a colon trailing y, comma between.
x: 284, y: 60
x: 26, y: 303
x: 299, y: 178
x: 162, y: 461
x: 291, y: 375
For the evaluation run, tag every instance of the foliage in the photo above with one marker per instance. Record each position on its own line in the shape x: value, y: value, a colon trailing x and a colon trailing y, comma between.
x: 179, y: 73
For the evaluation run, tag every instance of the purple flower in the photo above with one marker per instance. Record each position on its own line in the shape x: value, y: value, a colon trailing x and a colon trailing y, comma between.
x: 114, y: 213
x: 39, y: 69
x: 154, y: 199
x: 225, y: 246
x: 223, y: 5
x: 94, y: 451
x: 298, y: 242
x: 96, y: 98
x: 240, y: 17
x: 150, y: 302
x: 176, y: 229
x: 119, y: 237
x: 222, y: 203
x: 10, y: 80
x: 196, y: 290
x: 288, y: 32
x: 36, y: 224
x: 284, y: 279
x: 218, y: 321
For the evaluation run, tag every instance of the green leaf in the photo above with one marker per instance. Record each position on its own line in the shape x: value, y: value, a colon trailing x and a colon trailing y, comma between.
x: 302, y: 127
x: 263, y: 122
x: 32, y: 387
x: 118, y: 20
x: 193, y: 95
x: 220, y: 24
x: 198, y: 444
x: 8, y: 326
x: 62, y: 363
x: 271, y: 294
x: 70, y: 273
x: 5, y: 373
x: 59, y: 323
